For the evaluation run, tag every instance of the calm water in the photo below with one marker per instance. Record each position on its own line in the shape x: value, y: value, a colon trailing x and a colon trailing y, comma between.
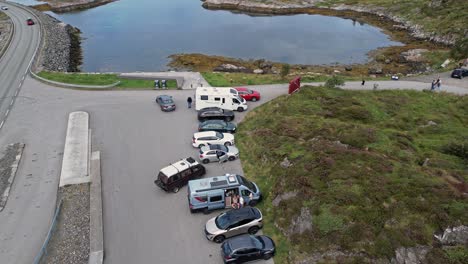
x: 138, y: 35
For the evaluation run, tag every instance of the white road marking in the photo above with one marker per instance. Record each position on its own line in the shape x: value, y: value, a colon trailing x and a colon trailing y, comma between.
x: 7, y: 112
x: 22, y: 79
x: 11, y: 103
x: 1, y: 125
x: 17, y: 91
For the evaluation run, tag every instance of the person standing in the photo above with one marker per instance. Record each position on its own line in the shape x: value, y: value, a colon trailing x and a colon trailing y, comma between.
x: 438, y: 83
x: 363, y: 81
x: 241, y: 201
x: 433, y: 84
x: 189, y: 102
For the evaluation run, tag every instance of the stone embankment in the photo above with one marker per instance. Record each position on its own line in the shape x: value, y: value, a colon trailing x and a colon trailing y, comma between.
x: 279, y: 7
x: 60, y: 46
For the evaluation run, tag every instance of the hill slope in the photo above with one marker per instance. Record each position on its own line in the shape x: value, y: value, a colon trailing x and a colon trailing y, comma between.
x: 357, y: 175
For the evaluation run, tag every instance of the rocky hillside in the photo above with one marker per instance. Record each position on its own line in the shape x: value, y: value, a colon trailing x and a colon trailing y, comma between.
x: 361, y: 177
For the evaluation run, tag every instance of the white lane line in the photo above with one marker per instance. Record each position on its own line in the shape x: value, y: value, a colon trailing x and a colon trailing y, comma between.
x: 1, y: 125
x: 11, y: 103
x: 22, y: 79
x: 7, y: 112
x: 19, y: 85
x: 17, y: 91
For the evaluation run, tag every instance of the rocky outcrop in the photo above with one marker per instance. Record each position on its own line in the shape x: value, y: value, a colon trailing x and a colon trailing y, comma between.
x: 414, y: 255
x: 231, y: 68
x: 73, y: 5
x: 279, y: 7
x: 453, y: 236
x: 413, y: 55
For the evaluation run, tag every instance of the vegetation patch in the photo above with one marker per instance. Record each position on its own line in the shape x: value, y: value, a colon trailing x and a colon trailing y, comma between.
x: 102, y: 79
x: 377, y: 170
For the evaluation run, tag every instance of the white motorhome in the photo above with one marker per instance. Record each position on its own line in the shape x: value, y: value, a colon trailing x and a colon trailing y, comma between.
x: 222, y: 97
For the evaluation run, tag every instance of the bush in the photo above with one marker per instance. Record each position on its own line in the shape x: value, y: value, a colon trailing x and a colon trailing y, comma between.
x: 285, y: 70
x: 334, y: 81
x: 460, y: 49
x: 458, y: 148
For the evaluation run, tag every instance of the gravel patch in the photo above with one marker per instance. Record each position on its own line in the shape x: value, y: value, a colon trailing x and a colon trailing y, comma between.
x: 70, y: 240
x: 8, y: 165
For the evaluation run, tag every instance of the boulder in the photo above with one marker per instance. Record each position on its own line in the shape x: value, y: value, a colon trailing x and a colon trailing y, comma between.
x: 413, y: 55
x: 286, y: 163
x: 302, y: 223
x: 348, y: 68
x: 375, y: 69
x: 258, y: 71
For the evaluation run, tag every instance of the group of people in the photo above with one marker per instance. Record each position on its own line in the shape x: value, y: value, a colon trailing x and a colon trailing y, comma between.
x: 237, y: 201
x: 435, y: 84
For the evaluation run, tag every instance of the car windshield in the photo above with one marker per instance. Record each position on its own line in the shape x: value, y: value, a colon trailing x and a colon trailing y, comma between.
x: 250, y: 91
x: 222, y: 221
x: 167, y: 100
x: 248, y: 183
x: 162, y: 177
x: 226, y: 249
x: 219, y: 135
x: 258, y: 242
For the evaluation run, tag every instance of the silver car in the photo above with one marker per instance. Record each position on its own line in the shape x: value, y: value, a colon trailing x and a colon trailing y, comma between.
x: 234, y: 222
x: 218, y: 152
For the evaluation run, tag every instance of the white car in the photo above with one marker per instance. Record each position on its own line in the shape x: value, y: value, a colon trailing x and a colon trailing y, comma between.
x: 4, y: 7
x: 201, y: 139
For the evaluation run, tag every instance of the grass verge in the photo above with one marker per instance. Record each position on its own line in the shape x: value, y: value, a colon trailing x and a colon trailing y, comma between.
x: 102, y: 79
x: 376, y: 170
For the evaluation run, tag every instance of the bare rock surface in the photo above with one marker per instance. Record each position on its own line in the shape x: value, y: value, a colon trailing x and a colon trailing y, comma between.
x: 453, y: 236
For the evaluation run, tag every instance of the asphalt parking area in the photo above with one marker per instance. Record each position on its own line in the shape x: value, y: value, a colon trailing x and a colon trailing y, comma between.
x: 142, y: 223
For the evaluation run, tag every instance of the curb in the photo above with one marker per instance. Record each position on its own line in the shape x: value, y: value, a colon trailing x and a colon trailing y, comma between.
x: 14, y: 168
x: 96, y: 232
x: 74, y: 86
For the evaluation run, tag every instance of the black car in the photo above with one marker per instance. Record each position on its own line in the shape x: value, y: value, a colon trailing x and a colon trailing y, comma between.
x: 247, y: 248
x: 459, y: 73
x: 166, y: 103
x: 215, y: 113
x: 217, y: 125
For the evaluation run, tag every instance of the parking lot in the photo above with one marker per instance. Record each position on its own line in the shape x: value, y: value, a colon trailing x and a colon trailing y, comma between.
x: 142, y: 222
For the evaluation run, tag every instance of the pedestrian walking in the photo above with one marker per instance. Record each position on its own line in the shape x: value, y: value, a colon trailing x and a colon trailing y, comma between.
x: 363, y: 82
x: 189, y: 102
x: 438, y: 83
x: 433, y: 84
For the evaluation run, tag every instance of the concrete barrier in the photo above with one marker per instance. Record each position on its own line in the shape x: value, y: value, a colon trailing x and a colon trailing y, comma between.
x: 76, y: 151
x: 96, y: 232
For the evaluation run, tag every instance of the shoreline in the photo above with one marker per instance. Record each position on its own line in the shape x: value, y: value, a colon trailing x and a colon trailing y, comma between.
x: 279, y: 8
x: 72, y: 5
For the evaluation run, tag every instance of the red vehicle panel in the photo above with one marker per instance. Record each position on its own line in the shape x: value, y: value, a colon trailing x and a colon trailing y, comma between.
x: 247, y: 94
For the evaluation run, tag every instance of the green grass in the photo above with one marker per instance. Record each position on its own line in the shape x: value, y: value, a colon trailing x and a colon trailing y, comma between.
x: 219, y: 79
x: 371, y: 194
x: 101, y: 79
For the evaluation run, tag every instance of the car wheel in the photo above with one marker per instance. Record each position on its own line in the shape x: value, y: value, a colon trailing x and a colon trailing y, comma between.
x: 253, y: 203
x: 227, y: 144
x: 175, y: 189
x: 206, y: 210
x: 253, y: 230
x: 267, y: 256
x: 231, y: 158
x: 201, y: 145
x: 205, y: 161
x: 254, y: 99
x: 240, y: 109
x: 219, y: 239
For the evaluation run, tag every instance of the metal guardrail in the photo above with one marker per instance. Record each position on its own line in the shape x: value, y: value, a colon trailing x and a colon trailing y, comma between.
x: 43, y: 250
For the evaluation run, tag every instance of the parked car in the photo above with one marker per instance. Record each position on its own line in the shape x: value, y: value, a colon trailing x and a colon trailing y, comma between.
x: 215, y: 113
x: 4, y: 7
x: 166, y: 103
x: 232, y: 223
x: 247, y: 94
x: 217, y: 125
x: 214, y: 152
x: 177, y: 174
x: 29, y: 22
x: 201, y: 139
x: 459, y: 73
x: 245, y: 248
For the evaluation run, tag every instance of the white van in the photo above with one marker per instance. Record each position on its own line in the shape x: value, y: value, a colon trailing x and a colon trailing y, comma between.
x: 222, y: 97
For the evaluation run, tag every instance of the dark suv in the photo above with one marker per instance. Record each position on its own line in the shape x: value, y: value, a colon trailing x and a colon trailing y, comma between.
x: 247, y: 248
x: 215, y: 113
x: 177, y: 174
x: 459, y: 73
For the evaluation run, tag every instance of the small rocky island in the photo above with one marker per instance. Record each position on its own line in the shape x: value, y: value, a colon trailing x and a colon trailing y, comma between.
x: 71, y: 5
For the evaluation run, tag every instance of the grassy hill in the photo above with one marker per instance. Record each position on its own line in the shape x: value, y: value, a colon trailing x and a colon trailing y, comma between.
x: 370, y: 171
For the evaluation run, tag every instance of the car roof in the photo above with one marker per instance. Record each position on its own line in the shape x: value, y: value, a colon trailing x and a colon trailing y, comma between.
x: 241, y: 89
x: 165, y: 96
x: 180, y: 165
x: 243, y: 241
x: 212, y: 121
x: 242, y: 213
x: 204, y: 134
x: 210, y: 109
x: 218, y: 182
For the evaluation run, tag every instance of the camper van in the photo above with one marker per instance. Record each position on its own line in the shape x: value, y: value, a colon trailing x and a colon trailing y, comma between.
x: 226, y: 98
x: 219, y: 193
